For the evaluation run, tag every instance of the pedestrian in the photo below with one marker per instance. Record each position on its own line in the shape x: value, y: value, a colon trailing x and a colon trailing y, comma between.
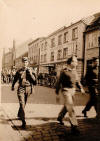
x: 91, y: 79
x: 66, y: 82
x: 26, y: 79
x: 13, y: 72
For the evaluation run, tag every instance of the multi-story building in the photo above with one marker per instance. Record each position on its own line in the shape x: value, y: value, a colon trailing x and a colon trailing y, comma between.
x: 7, y: 60
x: 91, y: 40
x: 56, y: 48
x: 65, y: 42
x: 34, y: 52
x: 44, y: 55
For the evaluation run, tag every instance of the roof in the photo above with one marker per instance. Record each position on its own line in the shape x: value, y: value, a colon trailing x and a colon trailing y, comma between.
x: 37, y: 39
x: 91, y: 19
x: 87, y: 21
x: 57, y: 31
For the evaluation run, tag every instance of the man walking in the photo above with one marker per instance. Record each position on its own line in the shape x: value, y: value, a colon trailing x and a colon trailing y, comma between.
x: 92, y: 81
x: 26, y: 78
x: 66, y: 82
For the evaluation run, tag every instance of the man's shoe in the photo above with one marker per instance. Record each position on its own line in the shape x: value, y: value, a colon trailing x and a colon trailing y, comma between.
x: 19, y: 117
x: 84, y: 112
x: 97, y: 116
x: 60, y: 120
x: 75, y: 130
x: 23, y: 125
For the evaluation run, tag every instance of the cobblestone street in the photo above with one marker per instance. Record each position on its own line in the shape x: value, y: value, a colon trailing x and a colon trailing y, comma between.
x: 43, y: 126
x: 41, y: 118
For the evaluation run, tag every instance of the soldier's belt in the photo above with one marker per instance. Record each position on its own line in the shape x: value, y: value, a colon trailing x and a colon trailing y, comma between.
x: 27, y: 85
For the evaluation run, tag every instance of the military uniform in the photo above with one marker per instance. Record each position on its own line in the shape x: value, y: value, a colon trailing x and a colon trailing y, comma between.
x: 92, y: 83
x: 67, y: 82
x: 26, y: 78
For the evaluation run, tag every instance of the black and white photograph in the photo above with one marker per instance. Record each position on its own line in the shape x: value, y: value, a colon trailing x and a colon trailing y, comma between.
x: 49, y: 70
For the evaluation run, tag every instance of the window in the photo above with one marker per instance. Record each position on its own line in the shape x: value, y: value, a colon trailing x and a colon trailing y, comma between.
x: 59, y: 54
x: 42, y: 47
x: 52, y: 56
x: 53, y: 42
x: 65, y: 52
x: 45, y: 47
x: 89, y: 45
x: 36, y: 59
x: 95, y: 40
x: 74, y: 33
x: 59, y: 39
x: 41, y: 58
x: 65, y: 37
x: 45, y: 59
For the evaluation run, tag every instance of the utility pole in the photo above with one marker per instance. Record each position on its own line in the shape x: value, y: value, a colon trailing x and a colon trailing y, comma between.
x: 76, y: 49
x: 38, y: 62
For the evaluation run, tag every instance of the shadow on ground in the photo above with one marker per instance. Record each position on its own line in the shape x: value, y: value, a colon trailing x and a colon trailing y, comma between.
x: 53, y: 131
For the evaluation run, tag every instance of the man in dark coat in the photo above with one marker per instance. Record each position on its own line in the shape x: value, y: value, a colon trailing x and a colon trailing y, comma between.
x: 92, y: 81
x: 26, y: 78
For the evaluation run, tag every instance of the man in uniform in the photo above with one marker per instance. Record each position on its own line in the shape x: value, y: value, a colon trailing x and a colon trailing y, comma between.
x: 66, y: 82
x: 25, y: 78
x: 92, y: 83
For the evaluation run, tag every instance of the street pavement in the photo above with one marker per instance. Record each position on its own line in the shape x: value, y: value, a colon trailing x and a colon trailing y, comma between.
x: 42, y: 124
x: 42, y: 95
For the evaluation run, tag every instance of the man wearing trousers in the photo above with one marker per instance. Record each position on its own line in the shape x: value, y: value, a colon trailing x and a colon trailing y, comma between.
x: 26, y: 78
x: 92, y: 83
x: 67, y: 82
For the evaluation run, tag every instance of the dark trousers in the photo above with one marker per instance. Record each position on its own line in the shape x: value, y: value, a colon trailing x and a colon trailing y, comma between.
x: 23, y: 94
x: 22, y: 97
x: 92, y: 101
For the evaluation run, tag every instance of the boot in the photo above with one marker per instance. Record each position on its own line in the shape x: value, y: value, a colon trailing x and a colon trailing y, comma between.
x: 75, y: 130
x: 23, y: 124
x: 84, y: 112
x: 60, y: 120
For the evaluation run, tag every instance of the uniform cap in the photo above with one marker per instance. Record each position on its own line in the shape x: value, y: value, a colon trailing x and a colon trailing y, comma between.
x: 24, y: 59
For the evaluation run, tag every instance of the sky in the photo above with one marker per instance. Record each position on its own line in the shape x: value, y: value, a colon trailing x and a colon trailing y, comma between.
x: 21, y: 20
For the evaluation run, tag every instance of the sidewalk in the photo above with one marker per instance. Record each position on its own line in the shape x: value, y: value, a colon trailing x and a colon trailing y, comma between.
x: 42, y: 124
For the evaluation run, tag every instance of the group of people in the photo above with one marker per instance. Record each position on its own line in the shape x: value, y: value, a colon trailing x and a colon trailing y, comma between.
x: 66, y: 82
x: 7, y: 75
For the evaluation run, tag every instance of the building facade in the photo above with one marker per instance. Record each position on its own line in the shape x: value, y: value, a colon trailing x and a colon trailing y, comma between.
x: 34, y: 53
x: 62, y: 44
x: 65, y: 42
x: 7, y: 61
x: 91, y: 41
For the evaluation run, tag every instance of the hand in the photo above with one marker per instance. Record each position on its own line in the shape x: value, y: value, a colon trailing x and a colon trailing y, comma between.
x: 82, y: 91
x: 29, y: 70
x: 57, y: 99
x: 12, y: 88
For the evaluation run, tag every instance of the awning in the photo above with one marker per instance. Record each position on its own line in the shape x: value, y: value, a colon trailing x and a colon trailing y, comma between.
x: 48, y: 65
